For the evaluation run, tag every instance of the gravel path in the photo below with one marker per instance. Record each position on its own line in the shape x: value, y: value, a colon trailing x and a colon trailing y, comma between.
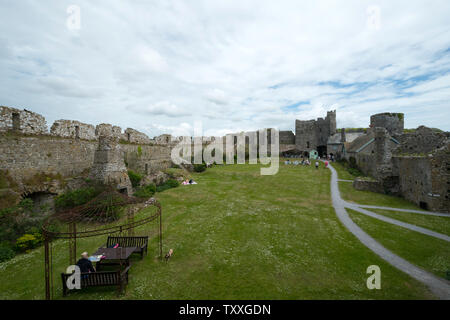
x: 398, y: 223
x: 429, y: 213
x: 439, y: 287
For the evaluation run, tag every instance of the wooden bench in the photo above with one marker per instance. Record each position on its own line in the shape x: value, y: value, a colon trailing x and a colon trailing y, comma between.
x: 140, y: 243
x: 117, y: 278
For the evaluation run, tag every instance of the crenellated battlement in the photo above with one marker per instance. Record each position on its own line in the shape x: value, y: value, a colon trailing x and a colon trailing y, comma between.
x: 31, y: 123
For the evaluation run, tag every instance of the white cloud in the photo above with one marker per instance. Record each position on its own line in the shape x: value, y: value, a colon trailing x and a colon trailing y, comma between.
x: 235, y: 65
x: 160, y: 108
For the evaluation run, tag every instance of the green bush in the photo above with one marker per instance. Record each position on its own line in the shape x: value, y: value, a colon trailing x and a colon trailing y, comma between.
x: 355, y: 172
x: 177, y: 173
x: 169, y: 184
x: 199, y: 167
x: 135, y: 178
x: 76, y: 198
x: 145, y: 192
x: 28, y: 241
x: 6, y: 253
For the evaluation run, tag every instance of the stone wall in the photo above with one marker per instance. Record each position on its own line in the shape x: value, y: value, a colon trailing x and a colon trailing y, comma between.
x: 440, y: 179
x: 414, y: 177
x: 147, y: 159
x: 366, y: 163
x: 26, y: 156
x: 105, y: 129
x: 363, y: 184
x: 73, y: 129
x: 23, y: 121
x: 163, y: 139
x: 134, y: 136
x: 287, y: 137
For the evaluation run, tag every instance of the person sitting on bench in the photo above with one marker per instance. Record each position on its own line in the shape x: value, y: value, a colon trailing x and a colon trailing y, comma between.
x: 85, y: 264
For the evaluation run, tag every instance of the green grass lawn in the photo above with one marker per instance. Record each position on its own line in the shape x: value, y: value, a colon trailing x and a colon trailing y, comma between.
x: 237, y: 235
x: 438, y: 224
x: 424, y: 251
x: 342, y: 171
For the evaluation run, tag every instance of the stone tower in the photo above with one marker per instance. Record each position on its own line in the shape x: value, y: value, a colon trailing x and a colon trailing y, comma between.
x: 109, y: 167
x: 392, y: 122
x: 314, y: 134
x: 331, y: 119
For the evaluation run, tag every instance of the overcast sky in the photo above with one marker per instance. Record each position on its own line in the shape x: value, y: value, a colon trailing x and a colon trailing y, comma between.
x: 159, y: 66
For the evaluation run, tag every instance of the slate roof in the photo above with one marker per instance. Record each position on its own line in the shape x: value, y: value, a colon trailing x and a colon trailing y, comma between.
x: 359, y: 142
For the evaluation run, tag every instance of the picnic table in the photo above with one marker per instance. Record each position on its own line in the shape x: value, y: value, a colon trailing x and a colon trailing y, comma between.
x: 114, y: 256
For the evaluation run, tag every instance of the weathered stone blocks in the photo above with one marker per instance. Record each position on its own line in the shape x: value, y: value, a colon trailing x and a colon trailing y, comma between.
x: 73, y: 129
x: 22, y: 121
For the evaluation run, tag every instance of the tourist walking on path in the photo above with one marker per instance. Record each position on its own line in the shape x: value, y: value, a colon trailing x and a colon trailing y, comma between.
x: 317, y: 164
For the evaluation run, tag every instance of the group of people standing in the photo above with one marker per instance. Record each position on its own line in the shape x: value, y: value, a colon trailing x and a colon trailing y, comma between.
x: 304, y: 162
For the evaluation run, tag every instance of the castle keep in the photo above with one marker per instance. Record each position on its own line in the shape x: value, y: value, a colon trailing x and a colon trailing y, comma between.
x: 314, y: 134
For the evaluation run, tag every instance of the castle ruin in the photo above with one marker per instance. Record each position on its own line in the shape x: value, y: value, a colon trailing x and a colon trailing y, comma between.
x: 37, y: 161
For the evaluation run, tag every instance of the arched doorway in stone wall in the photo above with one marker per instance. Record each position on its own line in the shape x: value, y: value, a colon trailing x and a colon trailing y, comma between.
x: 322, y: 150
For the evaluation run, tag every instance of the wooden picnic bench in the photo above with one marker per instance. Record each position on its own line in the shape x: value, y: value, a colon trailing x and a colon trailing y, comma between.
x: 140, y: 243
x: 117, y: 278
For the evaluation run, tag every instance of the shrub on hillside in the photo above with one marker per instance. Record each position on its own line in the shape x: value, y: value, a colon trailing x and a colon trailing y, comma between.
x: 28, y: 242
x: 76, y: 198
x: 6, y: 252
x: 169, y: 184
x: 199, y: 167
x: 355, y: 172
x: 135, y: 178
x: 145, y: 192
x: 177, y: 173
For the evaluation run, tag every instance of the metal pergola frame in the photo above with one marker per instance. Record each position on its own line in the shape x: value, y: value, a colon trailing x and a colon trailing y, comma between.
x: 72, y: 217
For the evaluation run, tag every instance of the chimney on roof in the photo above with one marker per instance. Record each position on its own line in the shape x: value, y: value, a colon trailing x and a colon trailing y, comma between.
x: 343, y: 135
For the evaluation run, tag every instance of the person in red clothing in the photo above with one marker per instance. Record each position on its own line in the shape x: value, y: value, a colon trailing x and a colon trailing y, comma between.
x: 326, y: 164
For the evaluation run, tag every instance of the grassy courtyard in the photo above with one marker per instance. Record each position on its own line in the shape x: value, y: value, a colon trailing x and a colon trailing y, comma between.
x: 237, y: 235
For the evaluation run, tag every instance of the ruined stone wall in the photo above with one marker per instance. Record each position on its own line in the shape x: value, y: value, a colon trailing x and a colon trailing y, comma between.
x: 25, y: 156
x: 105, y: 129
x: 23, y: 121
x: 440, y: 179
x: 424, y: 140
x: 73, y: 129
x: 414, y: 177
x: 147, y: 159
x: 364, y: 184
x: 287, y: 137
x: 392, y: 122
x: 163, y: 139
x: 134, y: 136
x: 366, y: 162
